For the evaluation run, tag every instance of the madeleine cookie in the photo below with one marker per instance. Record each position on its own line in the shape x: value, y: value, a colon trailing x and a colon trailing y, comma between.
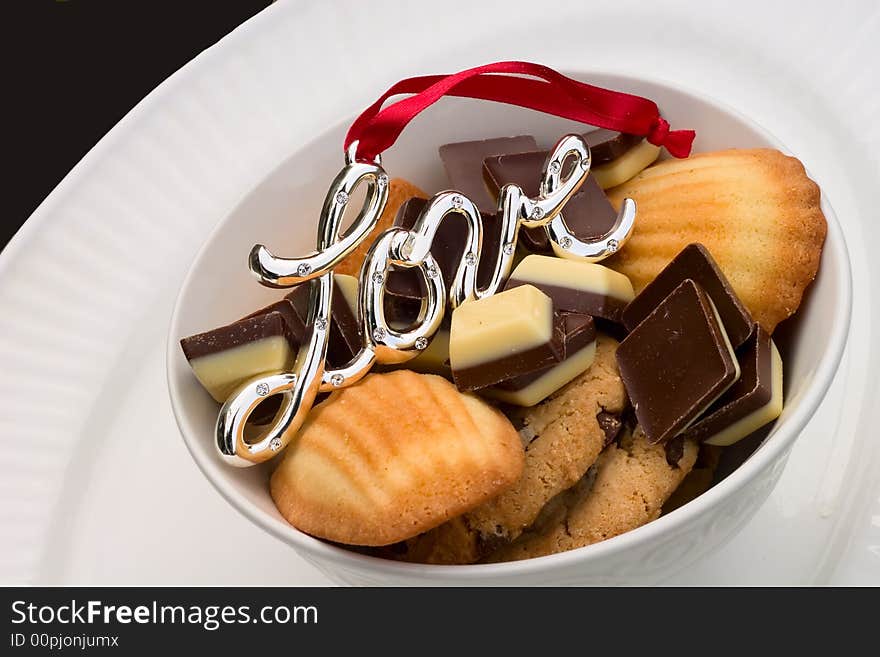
x: 755, y: 210
x: 564, y: 435
x: 393, y: 456
x: 399, y: 192
x: 632, y: 482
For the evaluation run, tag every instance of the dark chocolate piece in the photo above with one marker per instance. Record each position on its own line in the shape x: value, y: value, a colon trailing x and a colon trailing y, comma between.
x: 676, y: 362
x: 523, y: 169
x: 463, y: 162
x: 751, y: 402
x: 588, y: 214
x: 694, y: 262
x: 611, y: 424
x: 402, y: 311
x: 344, y: 338
x: 607, y: 145
x: 447, y: 249
x: 674, y: 450
x: 266, y: 410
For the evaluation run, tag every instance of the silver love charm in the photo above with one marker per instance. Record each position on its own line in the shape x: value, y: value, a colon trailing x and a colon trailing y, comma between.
x: 397, y: 248
x: 300, y: 387
x: 566, y: 244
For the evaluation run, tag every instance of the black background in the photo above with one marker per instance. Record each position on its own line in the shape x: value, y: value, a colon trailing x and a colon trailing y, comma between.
x: 73, y: 68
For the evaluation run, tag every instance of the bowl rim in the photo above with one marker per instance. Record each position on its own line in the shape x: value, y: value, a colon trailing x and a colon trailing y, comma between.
x: 769, y: 453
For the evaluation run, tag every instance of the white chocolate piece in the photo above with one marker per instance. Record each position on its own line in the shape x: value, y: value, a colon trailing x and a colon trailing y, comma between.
x: 576, y: 275
x: 756, y: 419
x: 221, y: 372
x: 626, y: 166
x: 435, y: 358
x: 348, y: 285
x: 499, y: 326
x: 549, y: 382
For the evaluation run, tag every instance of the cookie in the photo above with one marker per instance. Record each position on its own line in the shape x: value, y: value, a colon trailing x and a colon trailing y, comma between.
x: 755, y: 210
x: 453, y: 542
x: 394, y: 456
x: 563, y: 437
x: 399, y: 192
x: 632, y: 481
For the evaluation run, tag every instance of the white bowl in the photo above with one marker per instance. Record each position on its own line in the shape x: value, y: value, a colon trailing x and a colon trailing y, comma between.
x: 282, y: 213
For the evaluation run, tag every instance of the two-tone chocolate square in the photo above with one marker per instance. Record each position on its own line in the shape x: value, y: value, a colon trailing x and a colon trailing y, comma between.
x: 696, y: 263
x: 503, y: 336
x: 225, y: 357
x: 268, y: 340
x: 751, y: 402
x: 575, y: 286
x: 676, y: 362
x: 579, y: 347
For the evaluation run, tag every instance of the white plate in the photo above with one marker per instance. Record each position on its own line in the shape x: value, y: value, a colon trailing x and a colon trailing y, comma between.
x: 97, y: 486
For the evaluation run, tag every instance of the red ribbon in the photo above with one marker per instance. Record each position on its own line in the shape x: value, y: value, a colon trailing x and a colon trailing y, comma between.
x: 376, y: 129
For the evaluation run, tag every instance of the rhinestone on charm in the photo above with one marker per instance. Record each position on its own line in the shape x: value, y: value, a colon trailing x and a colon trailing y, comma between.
x: 613, y: 245
x: 470, y: 259
x: 303, y: 270
x: 431, y: 271
x: 555, y: 167
x: 341, y: 198
x: 421, y: 343
x: 537, y: 212
x: 275, y: 444
x: 565, y: 242
x: 378, y: 278
x: 383, y: 180
x: 379, y: 334
x: 508, y: 248
x: 262, y: 389
x: 321, y: 324
x: 457, y: 202
x: 337, y: 380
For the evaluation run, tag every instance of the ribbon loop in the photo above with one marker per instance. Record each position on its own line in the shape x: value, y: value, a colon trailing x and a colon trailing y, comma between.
x: 377, y: 128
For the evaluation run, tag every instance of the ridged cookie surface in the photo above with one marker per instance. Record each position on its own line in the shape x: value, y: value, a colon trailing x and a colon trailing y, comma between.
x: 393, y: 456
x: 754, y: 209
x: 399, y: 192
